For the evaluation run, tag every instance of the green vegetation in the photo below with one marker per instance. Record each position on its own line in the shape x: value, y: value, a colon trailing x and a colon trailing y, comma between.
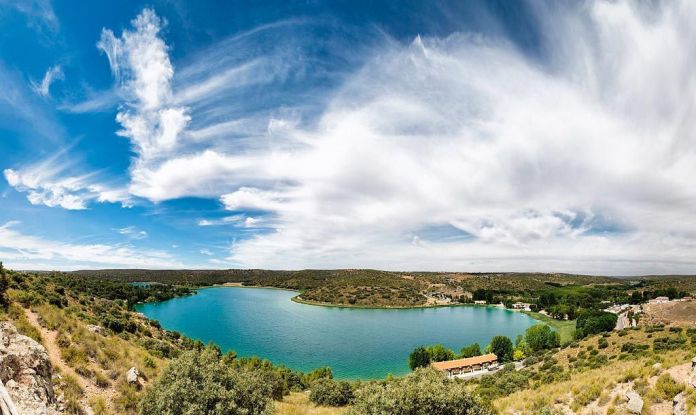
x: 329, y: 392
x: 470, y: 351
x: 203, y: 383
x: 501, y: 346
x: 424, y: 391
x: 183, y: 376
x: 594, y: 322
x: 419, y: 357
x: 4, y: 284
x: 541, y: 337
x: 564, y: 328
x: 536, y: 339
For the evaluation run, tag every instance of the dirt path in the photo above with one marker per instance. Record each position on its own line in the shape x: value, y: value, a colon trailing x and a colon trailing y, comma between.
x: 51, y: 345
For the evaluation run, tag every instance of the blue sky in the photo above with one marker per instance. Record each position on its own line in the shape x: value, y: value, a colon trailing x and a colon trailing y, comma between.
x: 412, y: 135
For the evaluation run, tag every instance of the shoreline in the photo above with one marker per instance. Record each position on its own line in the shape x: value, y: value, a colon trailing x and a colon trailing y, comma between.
x: 297, y: 299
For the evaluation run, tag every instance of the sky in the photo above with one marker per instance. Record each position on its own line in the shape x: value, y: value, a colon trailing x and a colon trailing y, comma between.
x: 401, y: 135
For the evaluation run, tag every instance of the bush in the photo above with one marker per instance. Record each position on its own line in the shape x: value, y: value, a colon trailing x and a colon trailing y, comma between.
x: 667, y: 388
x: 199, y: 382
x: 424, y: 391
x: 602, y: 343
x: 329, y: 392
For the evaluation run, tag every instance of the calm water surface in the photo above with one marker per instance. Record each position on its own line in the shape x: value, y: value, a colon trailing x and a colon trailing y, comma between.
x: 356, y: 343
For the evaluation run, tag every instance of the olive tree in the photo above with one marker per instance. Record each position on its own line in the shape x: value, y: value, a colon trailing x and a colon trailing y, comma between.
x: 200, y: 382
x: 423, y: 392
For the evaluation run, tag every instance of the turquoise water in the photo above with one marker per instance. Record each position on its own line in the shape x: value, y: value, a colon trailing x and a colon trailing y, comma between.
x: 356, y: 343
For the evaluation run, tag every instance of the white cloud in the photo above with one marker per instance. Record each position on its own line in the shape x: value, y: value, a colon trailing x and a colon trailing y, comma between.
x: 22, y: 251
x: 140, y: 62
x: 582, y: 160
x: 49, y: 183
x: 206, y: 252
x: 133, y: 233
x: 52, y: 74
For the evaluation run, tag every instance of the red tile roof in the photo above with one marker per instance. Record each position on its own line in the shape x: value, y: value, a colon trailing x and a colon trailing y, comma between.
x: 469, y: 361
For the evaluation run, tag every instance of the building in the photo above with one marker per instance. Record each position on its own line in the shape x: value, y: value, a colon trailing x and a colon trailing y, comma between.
x: 659, y: 300
x: 470, y: 364
x: 522, y: 306
x: 480, y: 302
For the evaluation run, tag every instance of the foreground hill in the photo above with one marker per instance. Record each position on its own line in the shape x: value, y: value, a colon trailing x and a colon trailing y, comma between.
x: 112, y: 360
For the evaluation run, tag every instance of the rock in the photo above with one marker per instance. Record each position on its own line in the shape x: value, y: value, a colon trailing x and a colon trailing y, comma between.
x: 679, y: 404
x: 25, y: 370
x: 635, y: 403
x: 692, y: 379
x: 132, y: 376
x: 94, y: 328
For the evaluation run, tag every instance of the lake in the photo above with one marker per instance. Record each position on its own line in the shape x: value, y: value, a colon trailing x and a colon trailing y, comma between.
x: 356, y: 343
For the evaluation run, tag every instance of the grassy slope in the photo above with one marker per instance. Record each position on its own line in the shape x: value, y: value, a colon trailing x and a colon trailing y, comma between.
x: 599, y: 386
x: 297, y: 403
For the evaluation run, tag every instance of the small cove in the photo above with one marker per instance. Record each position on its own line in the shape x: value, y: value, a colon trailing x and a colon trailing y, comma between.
x: 355, y: 343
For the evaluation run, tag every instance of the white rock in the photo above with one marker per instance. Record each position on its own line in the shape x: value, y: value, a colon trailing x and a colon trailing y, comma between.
x: 94, y: 328
x: 635, y: 403
x: 132, y: 375
x: 679, y: 404
x: 26, y: 368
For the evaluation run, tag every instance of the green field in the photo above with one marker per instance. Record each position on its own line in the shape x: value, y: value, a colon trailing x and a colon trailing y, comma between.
x: 565, y: 328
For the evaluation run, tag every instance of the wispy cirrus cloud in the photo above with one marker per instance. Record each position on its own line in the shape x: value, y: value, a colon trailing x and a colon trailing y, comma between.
x: 133, y: 232
x: 22, y: 251
x: 51, y: 183
x: 53, y: 74
x: 579, y: 159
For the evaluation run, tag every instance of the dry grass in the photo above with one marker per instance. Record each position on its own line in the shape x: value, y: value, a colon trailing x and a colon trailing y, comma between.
x: 597, y: 388
x: 297, y: 403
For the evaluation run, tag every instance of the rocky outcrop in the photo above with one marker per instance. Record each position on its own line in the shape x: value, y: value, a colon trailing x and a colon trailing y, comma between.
x: 635, y: 403
x: 679, y: 404
x: 25, y: 372
x: 132, y: 375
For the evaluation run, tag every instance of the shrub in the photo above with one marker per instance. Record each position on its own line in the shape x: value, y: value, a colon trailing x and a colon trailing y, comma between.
x: 667, y: 388
x: 668, y: 343
x: 329, y: 392
x: 602, y: 343
x: 424, y: 391
x: 199, y: 382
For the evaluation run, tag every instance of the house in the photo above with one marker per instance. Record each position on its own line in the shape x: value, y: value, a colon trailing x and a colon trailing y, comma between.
x: 468, y: 365
x: 480, y: 302
x: 659, y: 300
x: 522, y: 306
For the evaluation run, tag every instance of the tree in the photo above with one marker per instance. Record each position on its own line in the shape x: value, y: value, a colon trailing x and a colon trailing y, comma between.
x: 541, y: 337
x: 419, y: 357
x: 4, y: 285
x: 425, y: 391
x: 501, y: 346
x: 439, y: 353
x: 470, y: 351
x: 594, y: 322
x: 199, y: 382
x: 329, y: 392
